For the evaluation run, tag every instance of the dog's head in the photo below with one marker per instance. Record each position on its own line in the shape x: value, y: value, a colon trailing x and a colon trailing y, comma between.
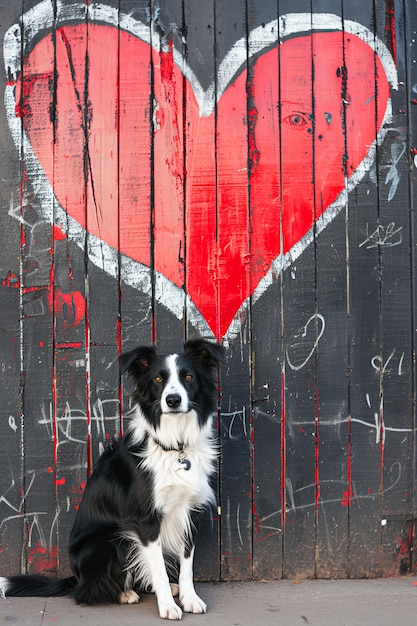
x: 176, y: 383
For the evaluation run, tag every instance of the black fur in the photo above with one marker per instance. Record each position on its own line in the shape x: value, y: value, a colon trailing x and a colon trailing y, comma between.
x: 118, y: 502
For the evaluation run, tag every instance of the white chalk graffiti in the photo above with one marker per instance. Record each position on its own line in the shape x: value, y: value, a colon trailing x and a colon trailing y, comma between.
x: 314, y: 327
x: 18, y: 511
x: 383, y: 236
x: 72, y: 422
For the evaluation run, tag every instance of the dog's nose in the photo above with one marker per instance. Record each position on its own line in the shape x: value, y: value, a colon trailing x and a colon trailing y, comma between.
x: 173, y: 400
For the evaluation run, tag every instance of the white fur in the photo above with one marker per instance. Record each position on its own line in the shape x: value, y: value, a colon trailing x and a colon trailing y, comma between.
x: 174, y: 386
x: 175, y: 493
x: 4, y: 585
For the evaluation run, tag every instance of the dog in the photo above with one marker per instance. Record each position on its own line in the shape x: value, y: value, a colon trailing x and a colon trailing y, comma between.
x: 140, y: 506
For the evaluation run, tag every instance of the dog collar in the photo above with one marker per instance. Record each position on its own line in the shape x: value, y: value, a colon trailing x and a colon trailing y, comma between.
x: 181, y: 462
x: 180, y: 447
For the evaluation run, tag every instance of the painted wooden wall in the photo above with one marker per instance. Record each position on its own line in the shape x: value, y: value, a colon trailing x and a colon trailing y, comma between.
x: 238, y: 169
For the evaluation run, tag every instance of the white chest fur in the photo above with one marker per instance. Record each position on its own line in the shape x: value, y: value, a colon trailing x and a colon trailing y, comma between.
x: 176, y: 492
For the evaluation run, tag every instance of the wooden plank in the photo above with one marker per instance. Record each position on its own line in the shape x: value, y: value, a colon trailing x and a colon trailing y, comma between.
x: 40, y: 498
x: 73, y: 159
x: 231, y: 286
x: 103, y: 167
x: 11, y: 463
x: 365, y: 346
x: 51, y: 72
x: 331, y: 312
x: 411, y: 73
x: 267, y: 438
x: 266, y: 433
x: 72, y: 440
x: 105, y: 95
x: 11, y: 416
x: 41, y: 542
x: 396, y: 304
x: 195, y: 37
x: 168, y: 173
x: 298, y: 483
x: 135, y: 163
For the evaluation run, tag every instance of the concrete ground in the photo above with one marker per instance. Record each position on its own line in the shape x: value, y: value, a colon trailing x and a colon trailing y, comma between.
x: 283, y: 603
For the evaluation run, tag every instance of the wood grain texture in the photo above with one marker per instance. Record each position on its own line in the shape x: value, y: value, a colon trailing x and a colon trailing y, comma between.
x: 244, y: 171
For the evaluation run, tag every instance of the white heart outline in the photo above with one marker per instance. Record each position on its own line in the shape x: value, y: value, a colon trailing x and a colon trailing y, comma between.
x: 135, y: 274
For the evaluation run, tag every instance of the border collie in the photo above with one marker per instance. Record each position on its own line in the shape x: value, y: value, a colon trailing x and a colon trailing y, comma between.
x: 140, y: 506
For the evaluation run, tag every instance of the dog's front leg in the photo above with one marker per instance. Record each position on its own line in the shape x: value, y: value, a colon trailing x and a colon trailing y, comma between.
x: 190, y: 601
x: 152, y: 554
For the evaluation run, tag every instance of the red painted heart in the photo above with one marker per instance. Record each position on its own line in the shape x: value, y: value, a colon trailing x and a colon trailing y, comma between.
x: 210, y: 198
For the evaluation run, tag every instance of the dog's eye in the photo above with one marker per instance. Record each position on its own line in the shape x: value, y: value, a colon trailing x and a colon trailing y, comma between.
x: 158, y: 379
x: 188, y: 377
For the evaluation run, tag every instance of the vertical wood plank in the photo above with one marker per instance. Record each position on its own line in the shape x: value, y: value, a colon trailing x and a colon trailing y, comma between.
x: 299, y: 308
x: 266, y: 432
x: 104, y: 206
x: 37, y: 328
x: 410, y: 58
x: 396, y: 304
x: 103, y: 139
x: 364, y: 458
x: 332, y: 464
x: 168, y: 173
x: 72, y: 412
x: 135, y: 170
x: 11, y: 414
x: 231, y: 133
x: 196, y: 38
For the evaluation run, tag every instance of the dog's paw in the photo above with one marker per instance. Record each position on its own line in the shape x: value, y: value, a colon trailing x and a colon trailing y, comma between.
x: 191, y: 603
x: 129, y: 597
x: 169, y: 610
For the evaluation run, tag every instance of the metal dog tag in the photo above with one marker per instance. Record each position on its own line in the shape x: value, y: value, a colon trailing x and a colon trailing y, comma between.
x: 181, y: 463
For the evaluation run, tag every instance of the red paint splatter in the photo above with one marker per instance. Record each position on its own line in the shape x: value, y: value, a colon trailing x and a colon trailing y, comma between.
x: 390, y: 28
x: 77, y: 494
x: 11, y: 280
x: 69, y: 344
x: 167, y: 63
x: 348, y: 494
x: 43, y: 560
x: 71, y: 306
x: 57, y: 481
x: 347, y: 497
x: 256, y: 517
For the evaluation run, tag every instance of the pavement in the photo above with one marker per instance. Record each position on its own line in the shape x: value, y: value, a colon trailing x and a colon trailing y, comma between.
x: 380, y: 602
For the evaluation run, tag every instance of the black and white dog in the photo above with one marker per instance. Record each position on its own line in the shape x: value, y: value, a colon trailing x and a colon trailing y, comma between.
x: 140, y: 504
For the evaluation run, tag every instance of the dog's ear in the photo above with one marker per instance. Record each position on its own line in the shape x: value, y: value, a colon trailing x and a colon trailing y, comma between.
x: 137, y: 361
x: 209, y: 353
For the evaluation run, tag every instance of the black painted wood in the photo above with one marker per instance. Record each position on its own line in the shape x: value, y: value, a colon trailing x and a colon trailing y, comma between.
x: 317, y: 426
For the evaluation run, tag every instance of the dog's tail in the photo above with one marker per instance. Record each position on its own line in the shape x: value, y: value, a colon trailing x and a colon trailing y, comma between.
x: 36, y: 585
